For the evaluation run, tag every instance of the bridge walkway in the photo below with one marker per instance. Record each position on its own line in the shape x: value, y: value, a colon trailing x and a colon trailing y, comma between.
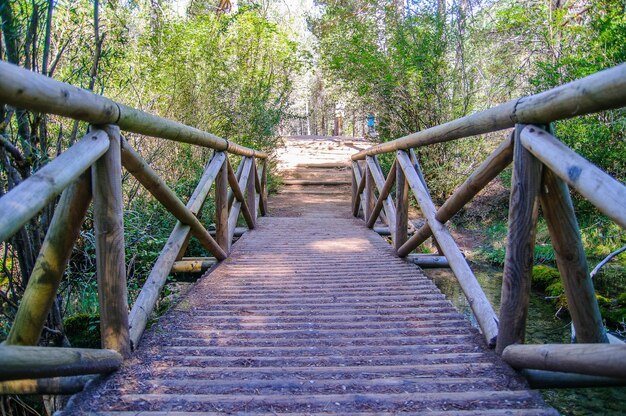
x: 312, y: 313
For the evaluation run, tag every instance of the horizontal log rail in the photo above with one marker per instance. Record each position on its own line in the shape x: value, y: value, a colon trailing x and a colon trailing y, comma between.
x: 38, y: 362
x: 604, y: 90
x: 543, y: 167
x: 90, y: 172
x: 36, y: 92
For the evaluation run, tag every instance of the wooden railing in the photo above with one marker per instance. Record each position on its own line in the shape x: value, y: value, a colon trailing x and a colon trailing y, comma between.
x: 543, y: 167
x: 91, y: 169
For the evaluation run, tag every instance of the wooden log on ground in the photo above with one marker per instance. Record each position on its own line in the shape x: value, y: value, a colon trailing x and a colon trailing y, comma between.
x: 158, y: 188
x: 591, y: 359
x: 221, y: 207
x: 24, y: 201
x: 357, y: 204
x: 56, y: 385
x: 193, y: 266
x: 29, y: 90
x: 108, y: 222
x: 571, y: 260
x: 600, y: 188
x: 541, y: 379
x: 402, y: 207
x: 149, y: 294
x: 429, y: 261
x: 603, y: 90
x: 236, y: 208
x: 18, y: 363
x: 485, y: 173
x: 51, y: 263
x: 518, y: 263
x: 379, y: 181
x: 485, y: 315
x: 239, y: 231
x: 382, y: 198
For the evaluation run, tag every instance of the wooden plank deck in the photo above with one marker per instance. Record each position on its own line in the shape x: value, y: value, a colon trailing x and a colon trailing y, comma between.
x: 313, y: 314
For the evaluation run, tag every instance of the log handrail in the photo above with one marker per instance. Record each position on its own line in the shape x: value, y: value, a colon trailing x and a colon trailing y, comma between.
x: 29, y: 90
x: 604, y: 90
x: 543, y: 167
x: 90, y: 169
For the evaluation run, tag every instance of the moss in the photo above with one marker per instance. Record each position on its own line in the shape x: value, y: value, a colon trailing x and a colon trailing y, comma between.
x: 544, y: 277
x: 83, y: 330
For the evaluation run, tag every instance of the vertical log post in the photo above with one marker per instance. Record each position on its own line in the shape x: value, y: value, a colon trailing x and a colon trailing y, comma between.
x: 368, y: 194
x: 264, y: 168
x: 109, y: 229
x: 221, y: 208
x: 354, y: 187
x: 402, y: 208
x: 582, y: 304
x: 357, y: 204
x: 523, y: 211
x: 251, y: 192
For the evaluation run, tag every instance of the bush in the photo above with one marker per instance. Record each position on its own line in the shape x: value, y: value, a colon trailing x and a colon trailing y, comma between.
x: 83, y: 330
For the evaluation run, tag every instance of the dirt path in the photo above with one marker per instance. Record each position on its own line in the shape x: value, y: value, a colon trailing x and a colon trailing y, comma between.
x: 315, y: 171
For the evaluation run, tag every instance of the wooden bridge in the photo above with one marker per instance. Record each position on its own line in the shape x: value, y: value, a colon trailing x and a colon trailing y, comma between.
x: 310, y: 312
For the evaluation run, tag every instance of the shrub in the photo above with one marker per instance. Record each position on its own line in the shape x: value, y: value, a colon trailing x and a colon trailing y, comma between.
x: 83, y: 330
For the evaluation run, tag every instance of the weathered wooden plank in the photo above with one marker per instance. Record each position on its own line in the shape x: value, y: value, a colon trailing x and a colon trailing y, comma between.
x: 24, y: 201
x: 600, y: 188
x: 518, y: 263
x: 603, y: 90
x: 590, y: 359
x: 108, y: 219
x: 51, y: 263
x: 571, y: 260
x: 485, y: 173
x: 134, y: 163
x: 485, y: 315
x: 38, y: 362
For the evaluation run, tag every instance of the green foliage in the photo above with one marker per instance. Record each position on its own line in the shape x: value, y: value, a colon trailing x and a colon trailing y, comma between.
x: 83, y: 330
